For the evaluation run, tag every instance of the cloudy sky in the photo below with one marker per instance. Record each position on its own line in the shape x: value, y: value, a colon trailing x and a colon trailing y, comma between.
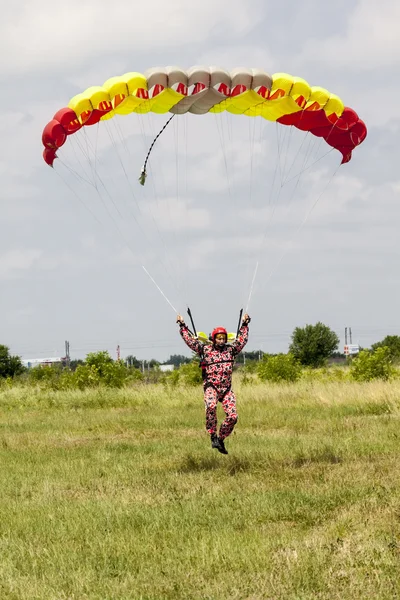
x: 222, y: 193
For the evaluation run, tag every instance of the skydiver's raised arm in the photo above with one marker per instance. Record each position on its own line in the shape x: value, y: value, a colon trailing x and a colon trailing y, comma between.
x: 188, y: 338
x: 243, y: 335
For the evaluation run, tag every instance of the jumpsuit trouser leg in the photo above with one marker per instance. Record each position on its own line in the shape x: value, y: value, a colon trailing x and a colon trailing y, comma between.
x: 228, y: 401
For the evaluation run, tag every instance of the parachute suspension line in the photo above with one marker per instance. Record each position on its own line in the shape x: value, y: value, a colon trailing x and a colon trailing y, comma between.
x: 169, y: 270
x: 287, y: 150
x: 222, y: 142
x: 252, y: 142
x: 279, y: 136
x: 85, y: 153
x: 108, y: 212
x: 309, y: 166
x: 86, y: 207
x: 186, y: 197
x: 176, y: 146
x: 285, y: 252
x: 75, y: 173
x: 143, y: 174
x: 269, y: 205
x: 96, y: 146
x: 76, y: 142
x: 252, y: 286
x: 126, y: 243
x: 168, y: 255
x: 306, y: 137
x: 272, y: 213
x: 92, y: 167
x: 159, y: 289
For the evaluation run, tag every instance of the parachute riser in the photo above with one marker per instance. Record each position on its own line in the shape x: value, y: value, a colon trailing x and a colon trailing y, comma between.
x: 239, y: 322
x: 189, y: 312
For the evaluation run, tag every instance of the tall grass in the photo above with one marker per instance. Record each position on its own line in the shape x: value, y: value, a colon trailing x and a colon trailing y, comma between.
x: 117, y: 494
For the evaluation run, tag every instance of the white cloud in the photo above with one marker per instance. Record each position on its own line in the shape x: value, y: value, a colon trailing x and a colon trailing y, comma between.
x: 172, y: 214
x: 371, y: 39
x: 45, y: 34
x: 14, y: 262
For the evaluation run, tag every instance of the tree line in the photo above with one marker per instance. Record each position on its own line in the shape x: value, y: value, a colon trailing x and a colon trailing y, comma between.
x: 311, y: 346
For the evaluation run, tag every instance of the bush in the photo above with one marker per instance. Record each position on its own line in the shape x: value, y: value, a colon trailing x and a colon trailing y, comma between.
x: 190, y: 374
x: 283, y: 367
x: 171, y: 378
x: 325, y: 374
x: 45, y: 377
x: 372, y: 365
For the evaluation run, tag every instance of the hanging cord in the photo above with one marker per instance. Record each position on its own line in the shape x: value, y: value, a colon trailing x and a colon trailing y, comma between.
x: 97, y: 178
x: 126, y: 242
x: 168, y: 264
x: 285, y: 252
x: 275, y: 205
x: 159, y: 289
x: 143, y: 173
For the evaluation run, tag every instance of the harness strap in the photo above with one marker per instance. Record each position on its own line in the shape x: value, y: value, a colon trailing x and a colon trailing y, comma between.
x: 217, y: 362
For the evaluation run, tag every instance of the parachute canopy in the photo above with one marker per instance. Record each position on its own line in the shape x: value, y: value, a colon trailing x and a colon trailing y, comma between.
x: 252, y: 92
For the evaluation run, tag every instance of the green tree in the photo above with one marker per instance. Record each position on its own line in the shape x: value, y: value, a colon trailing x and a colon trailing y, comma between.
x: 10, y: 366
x: 100, y: 368
x: 132, y: 361
x: 313, y: 344
x: 392, y: 342
x: 177, y: 360
x: 99, y: 360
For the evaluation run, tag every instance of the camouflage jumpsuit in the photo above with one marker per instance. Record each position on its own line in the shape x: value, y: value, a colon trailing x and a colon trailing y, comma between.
x: 217, y: 366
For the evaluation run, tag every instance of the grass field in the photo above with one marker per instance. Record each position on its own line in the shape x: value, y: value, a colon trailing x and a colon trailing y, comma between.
x: 117, y: 495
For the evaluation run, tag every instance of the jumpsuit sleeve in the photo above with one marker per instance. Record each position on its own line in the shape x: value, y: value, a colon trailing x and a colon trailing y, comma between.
x: 241, y: 339
x: 191, y: 341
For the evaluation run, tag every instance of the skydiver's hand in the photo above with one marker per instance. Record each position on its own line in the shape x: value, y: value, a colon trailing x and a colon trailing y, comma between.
x: 246, y: 319
x: 180, y: 320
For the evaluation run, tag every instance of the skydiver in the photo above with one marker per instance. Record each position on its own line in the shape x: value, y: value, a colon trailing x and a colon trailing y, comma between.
x: 217, y: 361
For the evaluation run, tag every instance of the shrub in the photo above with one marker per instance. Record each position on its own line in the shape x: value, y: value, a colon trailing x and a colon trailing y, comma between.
x: 372, y: 365
x: 171, y: 378
x: 283, y: 367
x: 190, y: 374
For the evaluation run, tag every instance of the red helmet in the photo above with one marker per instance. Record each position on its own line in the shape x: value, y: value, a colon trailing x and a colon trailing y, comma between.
x: 218, y: 330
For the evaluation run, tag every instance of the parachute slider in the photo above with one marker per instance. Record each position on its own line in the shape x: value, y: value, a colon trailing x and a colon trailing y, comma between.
x: 143, y: 175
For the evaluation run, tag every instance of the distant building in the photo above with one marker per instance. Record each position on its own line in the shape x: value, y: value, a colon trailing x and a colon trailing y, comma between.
x: 167, y: 368
x: 43, y: 362
x: 351, y: 349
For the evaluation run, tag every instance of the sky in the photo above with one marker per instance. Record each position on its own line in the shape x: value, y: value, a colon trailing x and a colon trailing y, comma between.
x: 112, y: 265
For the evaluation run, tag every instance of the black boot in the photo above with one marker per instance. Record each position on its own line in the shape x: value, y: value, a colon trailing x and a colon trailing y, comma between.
x: 221, y: 446
x: 215, y: 441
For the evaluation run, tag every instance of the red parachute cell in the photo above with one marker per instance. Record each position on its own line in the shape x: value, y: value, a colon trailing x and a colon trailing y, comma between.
x: 49, y: 156
x: 53, y: 135
x: 68, y: 120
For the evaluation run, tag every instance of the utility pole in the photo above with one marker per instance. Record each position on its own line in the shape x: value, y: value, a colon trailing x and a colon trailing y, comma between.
x: 67, y: 356
x: 118, y: 353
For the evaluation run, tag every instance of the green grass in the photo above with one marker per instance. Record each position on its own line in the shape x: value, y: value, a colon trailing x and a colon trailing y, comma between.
x: 118, y: 495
